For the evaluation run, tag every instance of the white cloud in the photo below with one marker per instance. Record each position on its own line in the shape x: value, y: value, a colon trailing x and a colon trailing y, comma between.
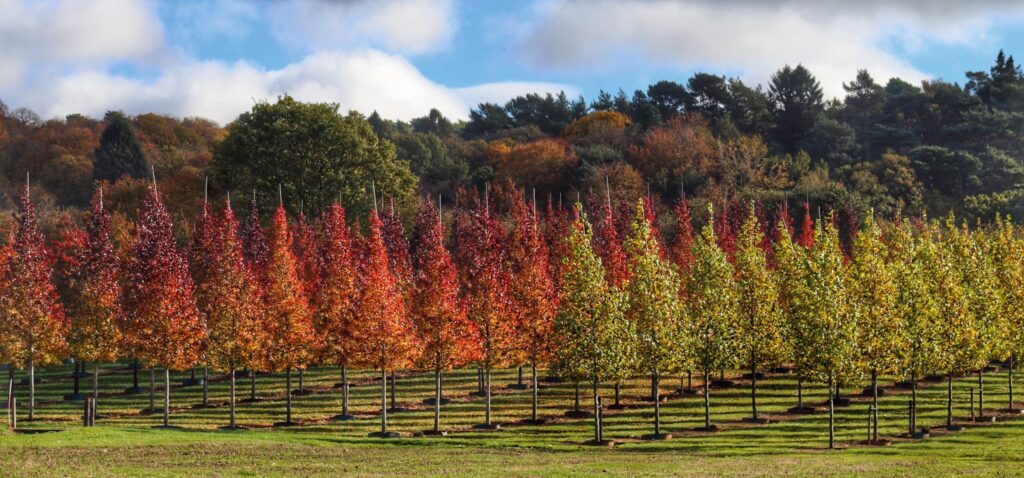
x: 65, y: 33
x: 406, y: 26
x: 500, y: 92
x: 364, y: 81
x: 832, y: 38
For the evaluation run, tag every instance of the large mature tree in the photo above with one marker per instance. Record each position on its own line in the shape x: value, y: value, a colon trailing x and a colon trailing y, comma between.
x: 760, y: 340
x: 93, y: 293
x: 34, y: 324
x: 712, y: 303
x: 159, y: 302
x: 119, y: 152
x: 385, y: 335
x: 314, y: 153
x: 287, y: 322
x: 796, y: 100
x: 653, y: 308
x: 335, y: 299
x: 446, y: 335
x: 591, y: 333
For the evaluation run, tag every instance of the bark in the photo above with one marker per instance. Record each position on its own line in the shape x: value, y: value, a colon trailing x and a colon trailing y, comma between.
x: 520, y: 379
x: 831, y: 416
x: 135, y: 373
x: 981, y: 393
x: 913, y: 401
x: 597, y: 414
x: 252, y: 385
x: 231, y: 400
x: 206, y: 385
x: 394, y: 399
x: 576, y: 402
x: 753, y: 389
x: 949, y: 400
x: 874, y: 404
x: 657, y: 404
x: 383, y: 401
x: 95, y: 387
x: 618, y: 390
x: 707, y: 399
x: 800, y: 393
x: 533, y: 373
x: 437, y: 400
x: 79, y: 368
x: 302, y: 380
x: 167, y: 397
x: 344, y: 390
x: 1009, y: 380
x: 288, y: 396
x: 31, y: 386
x: 487, y: 392
x: 152, y: 389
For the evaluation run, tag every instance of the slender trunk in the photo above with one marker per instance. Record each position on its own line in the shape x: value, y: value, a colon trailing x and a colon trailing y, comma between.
x: 288, y: 396
x: 487, y: 392
x: 949, y: 400
x: 831, y: 415
x: 231, y: 400
x: 874, y: 404
x: 576, y: 403
x: 31, y: 386
x: 597, y: 414
x: 394, y: 404
x: 800, y: 393
x: 79, y: 369
x: 618, y: 390
x: 753, y: 388
x: 689, y: 379
x: 654, y: 389
x: 152, y: 389
x: 657, y: 404
x: 533, y: 374
x: 344, y: 390
x: 520, y: 379
x: 479, y: 380
x: 981, y: 393
x: 707, y: 399
x: 437, y: 400
x: 383, y: 401
x: 135, y: 374
x: 167, y: 397
x: 1009, y: 381
x: 206, y: 385
x: 913, y: 401
x: 302, y: 380
x: 10, y: 386
x: 95, y: 386
x: 252, y: 385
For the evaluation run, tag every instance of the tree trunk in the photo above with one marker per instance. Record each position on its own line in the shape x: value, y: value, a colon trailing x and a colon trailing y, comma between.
x: 689, y: 379
x: 206, y: 385
x: 533, y: 374
x: 79, y: 369
x: 252, y: 385
x: 302, y: 380
x: 288, y: 396
x: 618, y: 390
x: 597, y: 414
x: 831, y: 416
x: 31, y: 386
x: 167, y: 397
x: 949, y: 400
x: 487, y: 392
x: 95, y: 386
x: 913, y: 400
x: 800, y: 394
x: 520, y: 379
x: 437, y: 400
x: 657, y: 404
x: 479, y: 380
x: 394, y: 399
x: 981, y: 393
x: 10, y: 386
x: 874, y: 404
x: 344, y: 390
x: 576, y: 402
x: 707, y: 399
x: 152, y: 389
x: 135, y: 374
x: 1009, y: 380
x: 383, y: 401
x: 753, y: 389
x: 231, y: 400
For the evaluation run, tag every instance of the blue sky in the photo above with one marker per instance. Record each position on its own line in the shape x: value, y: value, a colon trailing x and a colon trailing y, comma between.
x: 401, y: 57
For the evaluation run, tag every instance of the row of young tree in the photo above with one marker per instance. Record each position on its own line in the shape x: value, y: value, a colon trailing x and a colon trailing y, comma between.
x: 515, y: 286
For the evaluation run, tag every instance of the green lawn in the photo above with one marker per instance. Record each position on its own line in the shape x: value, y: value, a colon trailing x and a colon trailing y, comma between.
x: 123, y: 442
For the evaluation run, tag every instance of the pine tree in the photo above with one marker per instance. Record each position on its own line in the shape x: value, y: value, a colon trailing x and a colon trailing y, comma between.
x: 384, y: 334
x: 287, y: 321
x: 30, y: 312
x: 593, y: 338
x: 759, y: 321
x: 446, y: 334
x: 531, y: 292
x: 161, y: 320
x: 712, y: 305
x: 653, y: 308
x: 335, y: 299
x: 94, y: 294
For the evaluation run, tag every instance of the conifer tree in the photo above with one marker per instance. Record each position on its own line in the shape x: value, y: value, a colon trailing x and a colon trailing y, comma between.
x: 447, y: 336
x: 653, y: 308
x: 30, y: 312
x: 384, y: 334
x: 759, y: 322
x: 159, y: 303
x: 94, y: 294
x: 287, y: 322
x: 712, y: 304
x: 335, y: 299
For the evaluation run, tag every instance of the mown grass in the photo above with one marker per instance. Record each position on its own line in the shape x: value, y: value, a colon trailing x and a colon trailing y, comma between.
x: 123, y: 442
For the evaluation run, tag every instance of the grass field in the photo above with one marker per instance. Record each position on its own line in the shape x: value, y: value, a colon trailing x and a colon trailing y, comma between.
x: 124, y: 442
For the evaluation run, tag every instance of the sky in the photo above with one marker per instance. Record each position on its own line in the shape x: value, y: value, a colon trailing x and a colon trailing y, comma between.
x: 402, y: 57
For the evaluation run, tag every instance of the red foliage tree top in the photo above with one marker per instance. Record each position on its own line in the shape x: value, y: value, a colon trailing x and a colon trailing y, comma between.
x: 397, y: 245
x: 725, y: 231
x: 783, y: 217
x: 608, y: 245
x: 94, y: 295
x: 160, y: 307
x: 446, y: 335
x: 806, y: 238
x: 556, y: 230
x: 531, y: 291
x: 232, y: 302
x: 682, y: 247
x: 254, y: 242
x: 335, y: 299
x: 31, y: 312
x: 384, y: 334
x: 288, y: 323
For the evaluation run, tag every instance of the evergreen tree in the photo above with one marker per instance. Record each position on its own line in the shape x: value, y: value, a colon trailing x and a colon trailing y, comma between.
x: 119, y: 152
